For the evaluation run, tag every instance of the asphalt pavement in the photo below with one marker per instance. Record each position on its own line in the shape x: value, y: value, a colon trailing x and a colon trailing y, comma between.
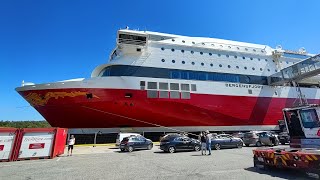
x: 109, y: 163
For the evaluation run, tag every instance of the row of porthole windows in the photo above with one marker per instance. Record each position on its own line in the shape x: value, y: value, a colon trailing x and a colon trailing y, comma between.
x: 254, y: 50
x: 219, y: 55
x: 220, y: 65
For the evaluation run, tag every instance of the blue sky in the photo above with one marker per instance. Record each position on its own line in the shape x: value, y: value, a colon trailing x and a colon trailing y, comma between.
x: 45, y: 41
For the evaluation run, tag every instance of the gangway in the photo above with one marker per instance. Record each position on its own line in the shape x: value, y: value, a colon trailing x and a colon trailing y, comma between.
x: 304, y: 69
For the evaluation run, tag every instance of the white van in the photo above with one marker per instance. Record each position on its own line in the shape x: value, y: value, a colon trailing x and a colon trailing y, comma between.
x: 123, y: 135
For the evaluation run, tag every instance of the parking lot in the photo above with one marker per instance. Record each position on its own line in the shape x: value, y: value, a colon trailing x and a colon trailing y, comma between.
x: 109, y: 163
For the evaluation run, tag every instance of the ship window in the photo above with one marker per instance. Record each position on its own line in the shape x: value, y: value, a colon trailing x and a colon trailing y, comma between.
x: 229, y: 66
x: 203, y: 43
x: 142, y: 85
x: 201, y: 53
x: 221, y: 46
x: 260, y: 69
x: 163, y: 94
x: 172, y: 50
x: 185, y: 87
x: 243, y: 58
x: 210, y: 54
x: 258, y: 59
x: 183, y: 62
x: 174, y: 95
x: 236, y: 57
x: 237, y: 67
x: 253, y: 68
x: 138, y: 49
x: 163, y: 60
x: 227, y: 55
x: 245, y: 67
x: 173, y: 61
x: 268, y: 69
x: 162, y: 49
x: 174, y: 86
x: 251, y: 58
x: 266, y: 60
x: 219, y: 55
x: 192, y: 63
x: 202, y: 64
x: 163, y: 86
x: 238, y: 48
x: 211, y: 64
x: 246, y: 49
x: 152, y: 94
x: 275, y: 70
x: 220, y: 65
x: 254, y: 50
x: 212, y: 44
x: 249, y: 91
x: 173, y: 40
x: 193, y: 42
x: 193, y: 87
x: 152, y: 85
x: 182, y: 50
x: 262, y: 50
x: 191, y: 52
x: 229, y: 47
x: 185, y: 95
x: 183, y: 41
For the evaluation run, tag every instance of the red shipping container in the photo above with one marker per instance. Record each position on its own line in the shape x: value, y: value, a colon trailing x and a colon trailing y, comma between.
x: 36, y: 143
x: 8, y: 141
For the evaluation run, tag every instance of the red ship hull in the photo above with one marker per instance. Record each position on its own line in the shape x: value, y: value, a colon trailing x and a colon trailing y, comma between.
x: 110, y: 108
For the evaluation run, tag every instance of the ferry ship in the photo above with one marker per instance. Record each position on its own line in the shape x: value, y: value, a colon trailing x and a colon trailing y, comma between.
x: 156, y: 80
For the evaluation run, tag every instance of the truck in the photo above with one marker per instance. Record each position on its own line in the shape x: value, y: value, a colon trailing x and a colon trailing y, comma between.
x: 303, y: 126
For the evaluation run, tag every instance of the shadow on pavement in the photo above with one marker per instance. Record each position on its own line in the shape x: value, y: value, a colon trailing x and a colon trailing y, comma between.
x: 280, y: 173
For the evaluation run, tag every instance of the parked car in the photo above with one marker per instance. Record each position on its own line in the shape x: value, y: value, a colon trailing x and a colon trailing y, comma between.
x: 226, y: 141
x: 260, y: 138
x: 284, y: 138
x: 177, y: 142
x: 123, y: 135
x: 134, y: 142
x: 238, y: 135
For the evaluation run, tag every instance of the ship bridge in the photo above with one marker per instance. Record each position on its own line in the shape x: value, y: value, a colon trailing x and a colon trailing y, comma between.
x: 304, y: 69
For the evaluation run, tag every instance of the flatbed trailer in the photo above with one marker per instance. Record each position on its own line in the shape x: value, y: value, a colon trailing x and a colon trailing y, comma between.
x: 303, y: 126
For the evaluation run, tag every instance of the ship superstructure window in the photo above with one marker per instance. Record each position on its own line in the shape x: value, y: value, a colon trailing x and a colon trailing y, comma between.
x: 237, y: 67
x: 152, y: 85
x: 227, y: 56
x: 142, y: 85
x: 192, y: 63
x: 191, y: 52
x: 203, y: 44
x: 185, y: 87
x: 201, y: 53
x: 163, y: 60
x: 173, y: 61
x: 182, y: 50
x: 210, y: 54
x: 163, y: 86
x: 251, y: 58
x: 174, y: 95
x: 219, y: 55
x: 164, y: 94
x: 172, y: 50
x: 183, y: 41
x: 254, y: 50
x: 132, y: 39
x: 185, y: 95
x: 173, y: 40
x: 235, y: 57
x: 136, y: 71
x: 183, y: 62
x: 174, y: 86
x: 193, y: 43
x: 243, y: 57
x: 202, y: 64
x: 193, y: 87
x: 152, y: 94
x: 229, y: 66
x: 162, y: 49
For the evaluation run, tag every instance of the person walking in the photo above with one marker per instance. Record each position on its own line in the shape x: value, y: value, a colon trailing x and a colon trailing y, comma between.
x: 71, y: 142
x: 203, y: 144
x: 208, y: 141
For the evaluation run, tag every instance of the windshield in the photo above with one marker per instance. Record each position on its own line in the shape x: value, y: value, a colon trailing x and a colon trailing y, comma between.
x: 309, y: 118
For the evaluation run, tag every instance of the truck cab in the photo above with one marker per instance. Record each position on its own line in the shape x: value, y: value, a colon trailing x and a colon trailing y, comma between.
x: 303, y: 126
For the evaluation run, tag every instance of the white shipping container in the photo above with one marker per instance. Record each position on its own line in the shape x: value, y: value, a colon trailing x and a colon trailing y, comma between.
x: 6, y: 144
x: 36, y: 144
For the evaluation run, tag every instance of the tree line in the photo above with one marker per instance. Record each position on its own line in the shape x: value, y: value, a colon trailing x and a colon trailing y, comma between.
x: 25, y: 124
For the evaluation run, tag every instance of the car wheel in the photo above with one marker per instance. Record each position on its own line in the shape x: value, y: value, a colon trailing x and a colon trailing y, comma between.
x: 130, y: 148
x: 247, y: 145
x: 239, y: 145
x: 171, y: 149
x: 150, y: 146
x: 197, y: 148
x: 217, y: 146
x: 122, y: 150
x: 258, y: 144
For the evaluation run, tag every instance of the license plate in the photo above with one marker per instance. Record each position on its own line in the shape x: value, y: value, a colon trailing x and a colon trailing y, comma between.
x: 260, y: 159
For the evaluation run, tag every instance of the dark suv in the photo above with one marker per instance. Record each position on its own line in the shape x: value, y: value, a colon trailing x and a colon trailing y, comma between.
x: 135, y: 142
x: 177, y: 142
